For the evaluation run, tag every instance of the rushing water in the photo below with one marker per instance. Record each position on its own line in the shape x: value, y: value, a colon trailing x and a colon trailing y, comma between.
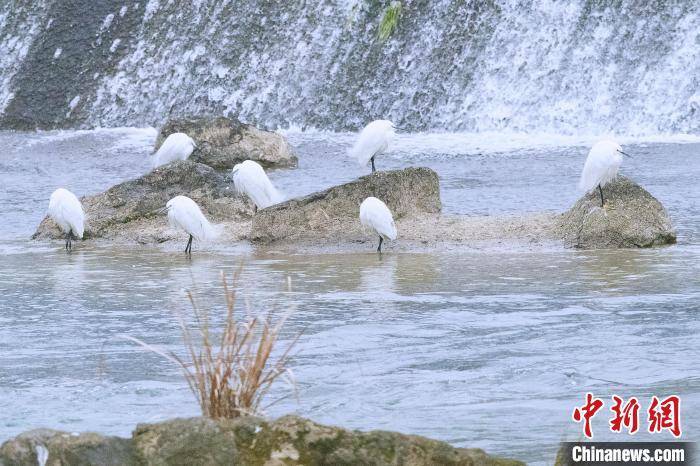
x: 490, y: 348
x: 524, y: 65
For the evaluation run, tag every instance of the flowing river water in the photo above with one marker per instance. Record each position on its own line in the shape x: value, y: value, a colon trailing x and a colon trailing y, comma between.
x: 481, y: 348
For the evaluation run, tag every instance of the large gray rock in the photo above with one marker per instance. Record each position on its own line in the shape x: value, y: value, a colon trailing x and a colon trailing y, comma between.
x: 631, y: 218
x: 127, y: 211
x: 289, y: 440
x: 223, y: 142
x: 333, y: 214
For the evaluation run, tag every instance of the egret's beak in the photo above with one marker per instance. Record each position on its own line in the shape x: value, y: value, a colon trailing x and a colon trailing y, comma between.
x: 625, y: 154
x: 160, y: 211
x: 230, y: 176
x: 400, y: 128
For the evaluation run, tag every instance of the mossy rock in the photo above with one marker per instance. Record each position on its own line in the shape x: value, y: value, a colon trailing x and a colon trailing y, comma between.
x: 247, y: 441
x: 224, y: 142
x: 631, y: 218
x: 128, y: 211
x: 334, y: 212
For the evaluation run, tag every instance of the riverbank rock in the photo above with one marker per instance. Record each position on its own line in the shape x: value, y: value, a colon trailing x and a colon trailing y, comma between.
x: 66, y: 449
x: 333, y: 214
x: 289, y: 440
x: 224, y: 142
x: 631, y: 218
x: 127, y: 211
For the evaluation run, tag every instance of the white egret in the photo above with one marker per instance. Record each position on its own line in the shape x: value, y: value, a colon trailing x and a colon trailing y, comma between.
x: 65, y: 209
x: 177, y: 146
x: 184, y: 213
x: 375, y: 215
x: 250, y: 179
x: 374, y: 139
x: 602, y: 164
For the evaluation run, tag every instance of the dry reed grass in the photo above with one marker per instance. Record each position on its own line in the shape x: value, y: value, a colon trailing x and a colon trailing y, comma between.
x: 231, y: 373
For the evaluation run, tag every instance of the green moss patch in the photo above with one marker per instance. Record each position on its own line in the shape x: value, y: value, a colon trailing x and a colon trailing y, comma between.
x: 389, y: 21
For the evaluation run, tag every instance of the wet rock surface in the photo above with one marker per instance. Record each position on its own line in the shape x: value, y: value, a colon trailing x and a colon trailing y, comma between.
x: 224, y: 142
x: 64, y: 448
x: 332, y: 214
x: 128, y: 211
x: 289, y: 440
x: 631, y: 218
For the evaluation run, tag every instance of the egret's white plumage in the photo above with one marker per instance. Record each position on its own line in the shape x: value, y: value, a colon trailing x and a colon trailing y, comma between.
x: 374, y: 139
x: 375, y: 215
x: 250, y: 179
x: 177, y: 146
x: 65, y: 209
x: 601, y: 167
x: 184, y: 213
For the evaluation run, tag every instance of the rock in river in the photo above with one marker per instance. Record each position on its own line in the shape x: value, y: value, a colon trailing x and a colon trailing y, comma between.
x: 289, y: 440
x: 631, y: 218
x: 127, y: 211
x: 332, y: 214
x: 223, y: 142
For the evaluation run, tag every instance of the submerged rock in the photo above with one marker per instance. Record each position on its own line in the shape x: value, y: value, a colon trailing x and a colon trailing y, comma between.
x: 333, y: 214
x: 289, y: 440
x: 631, y: 218
x: 129, y: 210
x: 223, y: 142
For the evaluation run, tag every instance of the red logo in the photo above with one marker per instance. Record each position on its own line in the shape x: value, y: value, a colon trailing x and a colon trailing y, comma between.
x: 625, y: 416
x: 665, y: 415
x: 662, y: 414
x: 586, y: 413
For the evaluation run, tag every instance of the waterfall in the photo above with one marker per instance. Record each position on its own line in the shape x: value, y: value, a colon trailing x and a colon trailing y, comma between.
x: 539, y: 66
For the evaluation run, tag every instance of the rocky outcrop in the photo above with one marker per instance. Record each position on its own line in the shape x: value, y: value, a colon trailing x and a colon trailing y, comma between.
x: 64, y: 448
x: 128, y: 211
x: 289, y: 440
x: 631, y: 218
x: 224, y: 142
x: 333, y: 214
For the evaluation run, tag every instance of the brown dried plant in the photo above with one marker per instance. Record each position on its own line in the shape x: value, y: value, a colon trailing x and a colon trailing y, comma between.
x: 230, y: 373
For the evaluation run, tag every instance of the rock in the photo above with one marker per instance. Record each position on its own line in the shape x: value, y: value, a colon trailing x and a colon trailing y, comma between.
x: 223, y: 142
x: 333, y: 214
x: 289, y: 440
x: 66, y: 449
x: 127, y: 211
x: 632, y: 218
x: 196, y: 441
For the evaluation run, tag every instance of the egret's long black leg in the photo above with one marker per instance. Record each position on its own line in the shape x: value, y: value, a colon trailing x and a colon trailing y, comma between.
x: 379, y: 249
x: 373, y: 169
x: 188, y: 248
x: 602, y: 201
x: 255, y: 209
x: 67, y: 240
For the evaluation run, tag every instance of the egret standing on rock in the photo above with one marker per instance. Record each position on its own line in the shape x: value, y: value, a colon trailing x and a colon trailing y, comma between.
x: 65, y: 209
x: 375, y: 215
x: 184, y: 213
x: 374, y: 139
x: 602, y: 164
x: 250, y: 179
x: 177, y: 146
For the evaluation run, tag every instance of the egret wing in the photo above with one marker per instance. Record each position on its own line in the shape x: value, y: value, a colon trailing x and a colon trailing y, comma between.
x: 378, y: 217
x: 373, y: 139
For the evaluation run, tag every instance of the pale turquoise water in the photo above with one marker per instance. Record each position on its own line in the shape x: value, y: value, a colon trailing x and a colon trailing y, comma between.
x: 480, y: 348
